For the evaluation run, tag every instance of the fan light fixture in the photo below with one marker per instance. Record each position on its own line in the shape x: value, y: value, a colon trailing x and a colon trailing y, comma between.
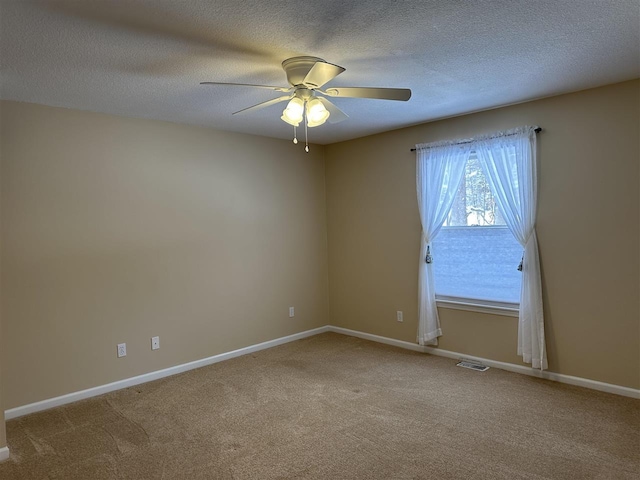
x: 316, y: 113
x: 293, y: 113
x: 304, y: 107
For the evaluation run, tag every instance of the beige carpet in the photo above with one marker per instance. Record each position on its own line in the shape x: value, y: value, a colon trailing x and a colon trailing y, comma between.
x: 333, y: 407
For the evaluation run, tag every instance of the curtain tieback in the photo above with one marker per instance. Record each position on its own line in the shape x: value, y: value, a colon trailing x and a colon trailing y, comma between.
x: 428, y: 258
x: 521, y: 262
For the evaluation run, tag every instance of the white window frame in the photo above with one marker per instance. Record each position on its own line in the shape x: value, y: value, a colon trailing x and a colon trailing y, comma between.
x: 479, y: 306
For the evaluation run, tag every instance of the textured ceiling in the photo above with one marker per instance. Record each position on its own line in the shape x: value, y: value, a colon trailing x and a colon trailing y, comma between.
x: 147, y: 58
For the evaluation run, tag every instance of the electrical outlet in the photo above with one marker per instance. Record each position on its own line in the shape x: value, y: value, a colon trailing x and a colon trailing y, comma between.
x: 292, y: 312
x: 399, y: 316
x: 155, y: 343
x: 122, y: 350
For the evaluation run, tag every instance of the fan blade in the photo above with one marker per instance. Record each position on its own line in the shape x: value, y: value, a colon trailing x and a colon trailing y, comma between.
x: 335, y: 114
x: 284, y: 98
x: 321, y: 73
x: 402, y: 94
x: 270, y: 87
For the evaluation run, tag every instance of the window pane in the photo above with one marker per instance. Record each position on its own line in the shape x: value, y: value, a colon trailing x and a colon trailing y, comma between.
x: 477, y: 263
x: 475, y: 254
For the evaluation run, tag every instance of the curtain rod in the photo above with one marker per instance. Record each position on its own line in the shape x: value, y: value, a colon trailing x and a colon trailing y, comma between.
x: 537, y: 130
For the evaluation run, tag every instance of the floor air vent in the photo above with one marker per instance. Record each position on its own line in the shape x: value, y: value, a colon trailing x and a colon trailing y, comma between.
x: 473, y: 366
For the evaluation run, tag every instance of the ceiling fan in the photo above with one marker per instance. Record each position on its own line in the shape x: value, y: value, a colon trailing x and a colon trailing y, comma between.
x: 306, y: 75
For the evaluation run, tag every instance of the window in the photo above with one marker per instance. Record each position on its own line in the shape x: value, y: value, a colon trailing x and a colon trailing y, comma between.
x: 479, y: 271
x: 475, y: 255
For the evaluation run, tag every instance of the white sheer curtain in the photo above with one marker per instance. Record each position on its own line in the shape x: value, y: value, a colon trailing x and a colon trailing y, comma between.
x: 439, y: 170
x: 509, y: 161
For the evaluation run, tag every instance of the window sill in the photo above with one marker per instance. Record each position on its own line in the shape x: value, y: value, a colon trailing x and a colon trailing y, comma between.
x: 480, y: 306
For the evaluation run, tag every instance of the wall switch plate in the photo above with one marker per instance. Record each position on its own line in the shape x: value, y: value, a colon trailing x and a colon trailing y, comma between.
x: 292, y: 312
x: 155, y: 343
x: 122, y: 350
x: 399, y: 316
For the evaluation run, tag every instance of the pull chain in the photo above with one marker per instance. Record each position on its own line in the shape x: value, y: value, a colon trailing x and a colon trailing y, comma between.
x: 295, y: 137
x: 306, y: 138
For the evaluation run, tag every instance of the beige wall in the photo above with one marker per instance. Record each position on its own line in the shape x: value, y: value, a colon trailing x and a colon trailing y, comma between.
x: 116, y: 229
x: 3, y: 434
x: 588, y: 231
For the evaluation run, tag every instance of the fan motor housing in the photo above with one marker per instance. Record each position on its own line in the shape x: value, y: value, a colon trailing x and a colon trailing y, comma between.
x: 297, y: 68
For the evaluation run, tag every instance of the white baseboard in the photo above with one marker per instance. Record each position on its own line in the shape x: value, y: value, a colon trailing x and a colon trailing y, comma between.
x: 556, y: 377
x: 4, y: 454
x: 377, y: 338
x: 149, y: 377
